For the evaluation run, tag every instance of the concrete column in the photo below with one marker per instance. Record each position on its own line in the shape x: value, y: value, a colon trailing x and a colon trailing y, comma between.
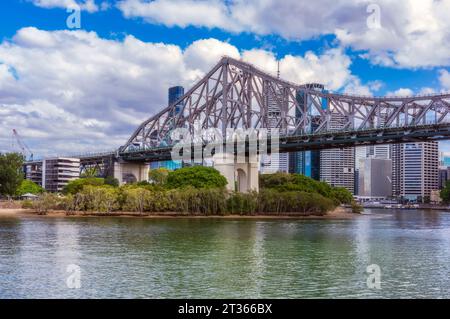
x: 242, y: 177
x: 131, y: 172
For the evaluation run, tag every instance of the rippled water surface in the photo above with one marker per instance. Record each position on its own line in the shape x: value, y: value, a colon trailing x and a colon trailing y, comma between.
x: 183, y: 258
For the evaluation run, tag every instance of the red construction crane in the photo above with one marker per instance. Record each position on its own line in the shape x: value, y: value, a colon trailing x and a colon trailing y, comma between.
x: 25, y: 150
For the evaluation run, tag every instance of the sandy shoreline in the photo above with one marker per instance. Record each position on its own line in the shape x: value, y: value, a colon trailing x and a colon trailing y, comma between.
x: 338, y: 213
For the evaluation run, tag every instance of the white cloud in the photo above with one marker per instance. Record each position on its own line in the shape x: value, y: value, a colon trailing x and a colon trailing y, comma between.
x: 427, y: 91
x: 444, y: 79
x: 74, y: 91
x: 87, y: 5
x: 401, y: 92
x: 210, y: 13
x: 412, y: 34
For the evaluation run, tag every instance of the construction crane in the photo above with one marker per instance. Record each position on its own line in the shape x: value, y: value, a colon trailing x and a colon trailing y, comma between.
x: 25, y: 150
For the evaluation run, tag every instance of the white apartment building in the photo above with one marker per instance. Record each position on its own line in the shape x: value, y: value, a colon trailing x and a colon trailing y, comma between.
x: 58, y: 172
x: 415, y: 170
x: 337, y: 165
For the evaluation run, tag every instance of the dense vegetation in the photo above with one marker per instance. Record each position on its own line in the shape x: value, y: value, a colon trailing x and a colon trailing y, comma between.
x: 11, y: 175
x: 197, y: 177
x: 197, y: 190
x: 283, y: 182
x: 28, y: 187
x: 445, y: 193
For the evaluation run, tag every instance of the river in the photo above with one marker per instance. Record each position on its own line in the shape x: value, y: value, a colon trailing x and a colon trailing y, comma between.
x: 217, y: 258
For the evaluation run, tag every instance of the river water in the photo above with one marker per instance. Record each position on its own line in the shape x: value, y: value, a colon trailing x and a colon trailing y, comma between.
x: 217, y: 258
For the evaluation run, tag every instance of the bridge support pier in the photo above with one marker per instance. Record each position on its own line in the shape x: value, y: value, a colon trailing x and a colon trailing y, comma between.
x: 241, y: 177
x: 130, y: 172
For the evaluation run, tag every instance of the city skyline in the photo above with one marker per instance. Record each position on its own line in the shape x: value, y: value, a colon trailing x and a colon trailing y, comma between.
x: 102, y: 79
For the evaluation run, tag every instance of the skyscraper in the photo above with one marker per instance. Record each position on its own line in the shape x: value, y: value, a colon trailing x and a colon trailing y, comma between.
x: 375, y: 177
x: 337, y: 165
x: 276, y: 162
x: 368, y: 152
x: 415, y: 170
x: 175, y: 93
x: 307, y: 162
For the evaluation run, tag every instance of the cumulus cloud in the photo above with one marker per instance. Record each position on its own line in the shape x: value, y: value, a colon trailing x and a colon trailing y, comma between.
x: 401, y: 92
x: 87, y: 5
x: 74, y: 91
x: 444, y: 79
x: 411, y: 33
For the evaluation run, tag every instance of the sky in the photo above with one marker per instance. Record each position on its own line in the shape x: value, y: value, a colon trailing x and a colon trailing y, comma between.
x: 70, y: 85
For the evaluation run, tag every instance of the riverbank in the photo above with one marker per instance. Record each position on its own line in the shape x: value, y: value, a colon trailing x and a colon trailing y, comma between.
x: 338, y: 213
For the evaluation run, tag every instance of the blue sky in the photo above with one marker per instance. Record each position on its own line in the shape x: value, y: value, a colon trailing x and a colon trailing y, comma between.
x: 96, y: 79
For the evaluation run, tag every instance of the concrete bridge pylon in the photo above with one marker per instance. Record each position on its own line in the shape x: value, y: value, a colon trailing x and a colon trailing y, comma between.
x: 242, y: 174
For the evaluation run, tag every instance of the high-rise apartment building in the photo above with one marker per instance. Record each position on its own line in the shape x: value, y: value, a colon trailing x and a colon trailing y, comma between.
x: 33, y: 172
x: 337, y: 165
x: 415, y: 170
x: 58, y: 172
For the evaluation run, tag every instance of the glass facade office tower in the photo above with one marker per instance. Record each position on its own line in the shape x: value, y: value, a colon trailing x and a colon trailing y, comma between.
x: 175, y: 93
x: 308, y: 162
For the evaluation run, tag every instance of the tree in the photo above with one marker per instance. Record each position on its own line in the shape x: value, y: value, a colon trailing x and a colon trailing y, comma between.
x: 109, y: 180
x: 77, y: 185
x: 46, y: 202
x: 158, y: 176
x: 196, y: 176
x: 137, y: 199
x: 342, y: 195
x: 11, y: 174
x: 29, y: 187
x: 445, y: 193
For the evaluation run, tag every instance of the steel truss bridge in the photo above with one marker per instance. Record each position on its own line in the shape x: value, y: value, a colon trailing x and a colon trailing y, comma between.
x: 237, y: 95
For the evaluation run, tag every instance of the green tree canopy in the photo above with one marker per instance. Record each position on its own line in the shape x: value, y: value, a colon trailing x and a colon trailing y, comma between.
x: 445, y: 193
x: 11, y: 174
x: 196, y: 176
x: 158, y: 176
x: 29, y: 187
x: 75, y: 186
x: 109, y: 180
x: 297, y: 182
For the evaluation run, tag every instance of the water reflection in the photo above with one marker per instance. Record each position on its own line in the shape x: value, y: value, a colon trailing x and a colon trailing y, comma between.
x: 182, y: 258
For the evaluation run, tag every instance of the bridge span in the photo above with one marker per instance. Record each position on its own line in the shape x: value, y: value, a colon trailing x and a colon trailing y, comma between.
x: 237, y: 95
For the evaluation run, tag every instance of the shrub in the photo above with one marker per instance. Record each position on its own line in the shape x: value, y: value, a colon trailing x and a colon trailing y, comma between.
x: 136, y: 199
x: 284, y: 182
x: 27, y: 204
x: 94, y: 198
x: 46, y: 202
x: 75, y: 186
x: 273, y: 201
x: 356, y: 208
x: 109, y: 180
x: 158, y: 176
x: 242, y: 203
